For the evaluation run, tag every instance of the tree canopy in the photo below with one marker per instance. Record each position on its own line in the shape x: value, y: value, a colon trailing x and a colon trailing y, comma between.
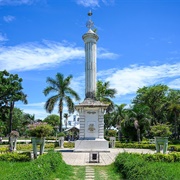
x: 10, y: 92
x: 105, y: 94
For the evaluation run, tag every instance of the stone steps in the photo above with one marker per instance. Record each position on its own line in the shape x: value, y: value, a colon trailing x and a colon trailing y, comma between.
x: 89, y: 173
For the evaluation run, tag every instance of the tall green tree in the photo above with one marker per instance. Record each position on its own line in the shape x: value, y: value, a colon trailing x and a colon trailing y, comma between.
x: 136, y: 123
x: 52, y: 119
x: 62, y: 93
x: 153, y: 98
x: 118, y: 115
x: 104, y: 94
x: 173, y: 107
x: 11, y: 92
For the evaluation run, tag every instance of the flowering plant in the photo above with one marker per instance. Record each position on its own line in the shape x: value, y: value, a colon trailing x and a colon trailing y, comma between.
x: 39, y: 129
x: 14, y: 134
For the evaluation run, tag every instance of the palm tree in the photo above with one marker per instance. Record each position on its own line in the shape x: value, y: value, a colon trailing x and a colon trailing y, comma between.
x: 63, y: 93
x: 66, y: 117
x: 118, y: 116
x: 137, y: 120
x: 104, y: 93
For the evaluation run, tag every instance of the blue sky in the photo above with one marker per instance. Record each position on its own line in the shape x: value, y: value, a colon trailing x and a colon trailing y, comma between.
x: 139, y: 44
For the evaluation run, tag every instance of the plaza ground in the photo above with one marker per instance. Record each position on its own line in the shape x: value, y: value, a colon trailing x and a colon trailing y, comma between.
x: 106, y: 158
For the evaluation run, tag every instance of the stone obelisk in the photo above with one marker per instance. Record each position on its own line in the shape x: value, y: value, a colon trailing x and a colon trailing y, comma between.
x: 91, y: 112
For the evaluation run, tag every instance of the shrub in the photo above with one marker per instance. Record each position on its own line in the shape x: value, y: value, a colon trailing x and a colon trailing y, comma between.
x: 112, y: 133
x: 4, y: 149
x: 69, y: 145
x: 135, y: 167
x: 39, y: 129
x: 66, y: 144
x: 174, y: 148
x: 61, y: 134
x: 134, y: 145
x: 15, y: 157
x: 14, y: 134
x: 21, y: 147
x: 173, y: 157
x: 161, y: 130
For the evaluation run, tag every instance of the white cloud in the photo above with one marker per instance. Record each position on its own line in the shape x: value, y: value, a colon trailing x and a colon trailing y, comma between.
x: 104, y: 54
x: 94, y: 3
x: 8, y: 18
x: 128, y: 80
x: 38, y: 56
x: 40, y: 104
x: 108, y: 2
x: 17, y: 2
x: 88, y: 3
x: 33, y: 55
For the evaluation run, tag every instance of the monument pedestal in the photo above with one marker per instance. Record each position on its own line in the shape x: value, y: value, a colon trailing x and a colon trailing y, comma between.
x: 99, y: 145
x: 91, y: 118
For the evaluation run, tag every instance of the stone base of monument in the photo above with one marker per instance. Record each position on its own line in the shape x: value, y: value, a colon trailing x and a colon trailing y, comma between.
x: 98, y: 145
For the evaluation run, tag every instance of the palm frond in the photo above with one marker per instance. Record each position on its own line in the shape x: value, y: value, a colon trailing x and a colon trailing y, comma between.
x: 50, y: 103
x: 49, y: 89
x: 70, y: 104
x: 72, y: 93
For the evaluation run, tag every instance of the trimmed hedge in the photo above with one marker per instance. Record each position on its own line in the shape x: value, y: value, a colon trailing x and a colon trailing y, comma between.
x: 145, y: 146
x: 135, y: 167
x: 174, y: 148
x: 172, y: 157
x: 16, y: 157
x: 4, y: 149
x: 134, y: 145
x: 66, y: 144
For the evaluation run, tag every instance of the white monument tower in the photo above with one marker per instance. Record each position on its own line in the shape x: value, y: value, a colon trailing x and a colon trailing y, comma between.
x: 91, y: 112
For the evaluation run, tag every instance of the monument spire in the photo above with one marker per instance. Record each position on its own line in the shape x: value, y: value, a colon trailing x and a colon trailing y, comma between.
x: 89, y: 23
x: 90, y: 39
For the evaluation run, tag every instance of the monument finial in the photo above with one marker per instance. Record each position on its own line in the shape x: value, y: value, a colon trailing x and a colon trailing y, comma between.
x: 89, y: 23
x: 90, y: 13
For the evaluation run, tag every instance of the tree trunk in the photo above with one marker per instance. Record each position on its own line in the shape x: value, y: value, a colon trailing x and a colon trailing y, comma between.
x: 66, y: 122
x: 119, y: 134
x: 10, y: 116
x: 60, y: 114
x: 138, y: 135
x: 175, y: 119
x: 10, y: 123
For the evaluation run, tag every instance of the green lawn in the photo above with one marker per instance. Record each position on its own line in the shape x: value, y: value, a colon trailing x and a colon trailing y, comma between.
x: 10, y: 168
x: 64, y: 172
x: 106, y: 173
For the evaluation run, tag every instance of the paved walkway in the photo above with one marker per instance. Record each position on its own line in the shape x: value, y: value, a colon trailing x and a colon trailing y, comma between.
x: 89, y: 173
x: 106, y: 158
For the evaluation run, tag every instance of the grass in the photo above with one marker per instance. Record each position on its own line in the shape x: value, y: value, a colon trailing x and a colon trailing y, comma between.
x: 136, y: 167
x: 10, y: 168
x: 46, y: 167
x: 106, y: 173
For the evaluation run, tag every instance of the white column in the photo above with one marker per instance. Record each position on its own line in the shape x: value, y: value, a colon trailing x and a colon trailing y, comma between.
x: 90, y: 39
